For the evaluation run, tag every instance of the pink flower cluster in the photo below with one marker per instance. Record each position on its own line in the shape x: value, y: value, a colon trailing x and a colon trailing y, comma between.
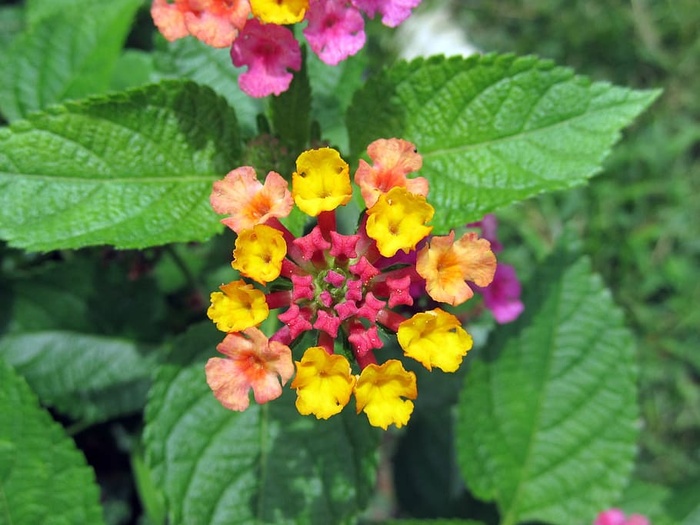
x: 257, y: 32
x: 617, y: 517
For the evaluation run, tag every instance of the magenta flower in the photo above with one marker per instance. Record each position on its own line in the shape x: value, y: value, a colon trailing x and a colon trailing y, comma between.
x: 393, y: 11
x: 335, y: 31
x: 269, y: 51
x: 502, y: 296
x: 617, y: 517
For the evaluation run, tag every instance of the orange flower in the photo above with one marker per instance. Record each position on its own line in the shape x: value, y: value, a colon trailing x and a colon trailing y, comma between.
x: 446, y: 265
x: 253, y: 362
x: 214, y: 22
x: 393, y: 160
x: 249, y: 202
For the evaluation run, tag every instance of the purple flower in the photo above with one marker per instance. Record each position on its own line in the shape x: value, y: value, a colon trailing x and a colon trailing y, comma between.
x: 269, y: 51
x: 617, y: 517
x: 502, y: 296
x: 335, y: 31
x: 393, y: 11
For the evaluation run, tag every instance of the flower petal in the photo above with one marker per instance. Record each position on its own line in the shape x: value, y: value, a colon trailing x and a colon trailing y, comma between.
x: 380, y: 393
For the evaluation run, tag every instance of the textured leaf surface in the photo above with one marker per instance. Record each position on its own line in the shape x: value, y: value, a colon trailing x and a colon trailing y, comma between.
x: 132, y: 170
x: 265, y: 465
x: 43, y: 477
x: 192, y: 59
x: 69, y: 54
x: 548, y: 415
x: 84, y: 376
x: 68, y: 332
x: 494, y: 129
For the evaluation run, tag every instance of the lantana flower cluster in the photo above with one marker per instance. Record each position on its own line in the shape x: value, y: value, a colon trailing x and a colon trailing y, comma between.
x: 257, y: 32
x: 340, y: 287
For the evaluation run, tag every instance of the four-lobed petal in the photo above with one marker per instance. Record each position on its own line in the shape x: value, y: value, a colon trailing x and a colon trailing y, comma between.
x: 384, y: 393
x: 324, y: 383
x: 252, y: 362
x: 259, y: 253
x: 435, y: 338
x: 237, y: 306
x: 321, y: 181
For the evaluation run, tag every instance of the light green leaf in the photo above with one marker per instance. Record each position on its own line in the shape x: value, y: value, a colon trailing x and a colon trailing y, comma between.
x: 11, y: 23
x: 132, y: 170
x: 192, y: 59
x: 267, y: 464
x: 493, y: 129
x: 67, y: 55
x: 548, y: 416
x: 433, y: 522
x: 43, y: 477
x: 87, y: 377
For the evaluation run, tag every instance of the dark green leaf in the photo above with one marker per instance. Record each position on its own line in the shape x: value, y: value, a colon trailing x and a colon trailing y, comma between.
x: 291, y: 112
x: 131, y: 170
x: 493, y: 129
x: 69, y: 54
x: 548, y: 417
x: 265, y: 465
x: 43, y: 477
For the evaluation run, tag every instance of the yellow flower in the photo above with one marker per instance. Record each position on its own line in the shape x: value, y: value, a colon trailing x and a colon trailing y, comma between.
x: 323, y: 383
x: 321, y: 181
x: 435, y: 338
x: 279, y: 12
x: 397, y: 221
x: 238, y: 306
x: 380, y: 391
x: 259, y: 253
x: 446, y: 265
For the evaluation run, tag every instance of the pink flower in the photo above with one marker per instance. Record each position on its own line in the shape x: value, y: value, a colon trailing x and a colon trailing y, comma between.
x: 268, y: 50
x: 502, y: 296
x: 335, y: 31
x: 393, y: 11
x: 392, y: 159
x: 617, y: 517
x: 252, y: 362
x: 248, y: 201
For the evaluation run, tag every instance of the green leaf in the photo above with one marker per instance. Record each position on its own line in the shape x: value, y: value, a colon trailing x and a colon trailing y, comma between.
x: 548, y: 416
x: 132, y: 170
x: 291, y: 112
x: 493, y: 129
x: 11, y: 24
x: 70, y: 332
x: 69, y: 54
x: 87, y: 377
x: 134, y: 68
x: 192, y: 59
x: 265, y: 465
x: 43, y: 477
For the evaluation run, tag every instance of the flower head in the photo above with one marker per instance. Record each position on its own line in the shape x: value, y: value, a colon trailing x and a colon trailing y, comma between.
x: 384, y: 392
x: 335, y: 31
x: 214, y: 22
x: 393, y: 160
x: 252, y: 362
x: 269, y: 51
x: 340, y: 287
x: 247, y: 201
x: 435, y: 338
x: 617, y: 517
x: 323, y: 383
x: 446, y: 264
x: 393, y: 11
